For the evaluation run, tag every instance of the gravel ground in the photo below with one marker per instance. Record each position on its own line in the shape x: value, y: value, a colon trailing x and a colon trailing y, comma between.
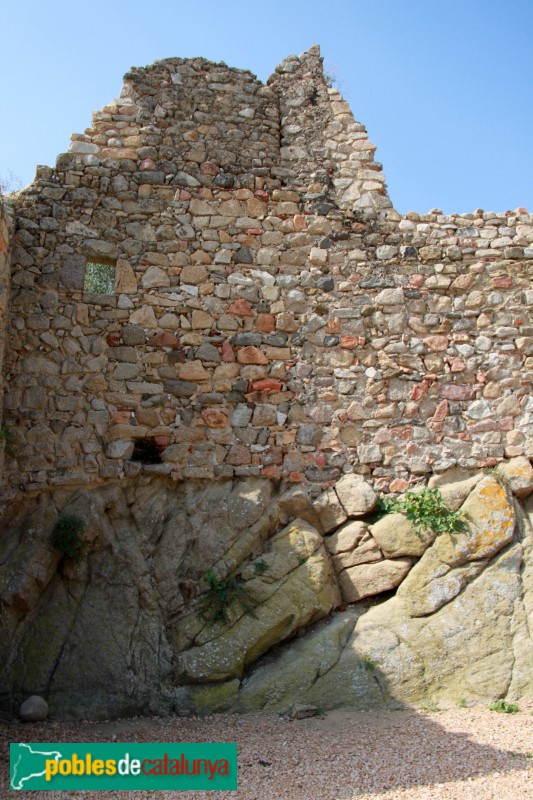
x: 374, y: 755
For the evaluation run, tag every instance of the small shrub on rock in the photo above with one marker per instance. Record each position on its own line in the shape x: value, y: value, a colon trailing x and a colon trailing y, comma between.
x: 67, y: 535
x: 428, y: 511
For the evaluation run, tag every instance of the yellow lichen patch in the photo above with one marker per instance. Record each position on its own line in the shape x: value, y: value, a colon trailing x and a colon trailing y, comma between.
x: 490, y: 518
x: 517, y: 474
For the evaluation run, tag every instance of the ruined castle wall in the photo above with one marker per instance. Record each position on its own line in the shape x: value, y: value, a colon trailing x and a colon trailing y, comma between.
x: 272, y: 314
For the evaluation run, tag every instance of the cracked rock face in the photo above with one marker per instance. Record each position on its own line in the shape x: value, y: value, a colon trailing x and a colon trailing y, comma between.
x: 201, y: 597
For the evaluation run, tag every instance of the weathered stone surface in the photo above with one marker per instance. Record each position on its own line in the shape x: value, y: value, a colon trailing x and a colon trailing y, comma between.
x: 299, y: 670
x: 329, y: 510
x: 34, y: 709
x: 517, y: 474
x: 365, y: 551
x: 454, y: 485
x: 372, y: 578
x: 356, y: 496
x: 345, y: 538
x: 76, y: 645
x: 300, y: 589
x: 397, y: 536
x: 491, y: 522
x: 72, y: 273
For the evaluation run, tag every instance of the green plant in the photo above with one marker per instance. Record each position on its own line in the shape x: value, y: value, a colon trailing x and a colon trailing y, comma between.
x: 260, y: 567
x: 7, y: 438
x: 369, y: 665
x: 504, y: 707
x: 428, y: 511
x: 384, y: 505
x: 222, y: 594
x: 462, y: 703
x: 67, y: 535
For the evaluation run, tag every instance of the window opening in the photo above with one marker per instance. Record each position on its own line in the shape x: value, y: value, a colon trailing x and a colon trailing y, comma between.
x: 99, y: 278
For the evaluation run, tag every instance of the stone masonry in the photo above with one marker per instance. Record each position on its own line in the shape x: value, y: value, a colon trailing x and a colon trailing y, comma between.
x: 273, y: 315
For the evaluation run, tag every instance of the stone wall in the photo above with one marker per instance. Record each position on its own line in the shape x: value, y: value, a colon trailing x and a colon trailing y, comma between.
x: 273, y: 316
x: 6, y: 226
x: 279, y: 343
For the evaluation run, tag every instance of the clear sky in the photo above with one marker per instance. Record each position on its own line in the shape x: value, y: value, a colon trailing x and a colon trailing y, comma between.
x: 444, y: 88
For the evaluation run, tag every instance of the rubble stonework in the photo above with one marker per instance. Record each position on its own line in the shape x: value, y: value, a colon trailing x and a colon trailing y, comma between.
x: 273, y: 315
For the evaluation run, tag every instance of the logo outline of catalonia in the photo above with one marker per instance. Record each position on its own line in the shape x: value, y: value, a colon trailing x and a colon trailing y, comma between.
x: 17, y: 782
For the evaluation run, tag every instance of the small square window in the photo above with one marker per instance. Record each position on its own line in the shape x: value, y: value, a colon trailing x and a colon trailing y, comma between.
x: 99, y: 278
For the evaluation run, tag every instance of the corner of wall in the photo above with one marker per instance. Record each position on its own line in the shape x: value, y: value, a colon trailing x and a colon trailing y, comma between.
x: 323, y: 148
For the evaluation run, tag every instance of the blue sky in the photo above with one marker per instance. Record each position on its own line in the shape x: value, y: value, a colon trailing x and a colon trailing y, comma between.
x: 444, y: 88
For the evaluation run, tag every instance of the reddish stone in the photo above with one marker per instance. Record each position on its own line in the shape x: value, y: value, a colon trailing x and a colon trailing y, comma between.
x: 163, y: 339
x: 457, y: 365
x: 3, y: 245
x: 320, y: 460
x: 274, y: 455
x: 241, y: 308
x: 416, y: 281
x: 299, y: 222
x: 214, y: 418
x: 399, y: 485
x: 208, y: 168
x: 418, y: 391
x: 484, y: 426
x: 457, y: 391
x: 121, y: 417
x: 238, y: 456
x: 502, y: 282
x: 481, y: 376
x: 436, y: 343
x: 254, y: 231
x: 334, y: 325
x: 349, y: 342
x: 506, y: 424
x: 441, y: 412
x: 161, y: 442
x: 113, y: 339
x: 261, y: 194
x: 271, y: 472
x: 254, y: 397
x: 227, y: 352
x: 266, y: 385
x: 185, y: 195
x: 265, y: 323
x: 296, y: 477
x: 251, y: 355
x: 147, y: 164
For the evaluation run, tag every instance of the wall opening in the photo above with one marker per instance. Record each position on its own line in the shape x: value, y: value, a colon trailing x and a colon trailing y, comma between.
x: 99, y: 278
x: 146, y: 451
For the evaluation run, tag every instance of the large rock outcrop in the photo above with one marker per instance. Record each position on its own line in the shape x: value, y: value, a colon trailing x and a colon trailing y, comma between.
x: 188, y: 598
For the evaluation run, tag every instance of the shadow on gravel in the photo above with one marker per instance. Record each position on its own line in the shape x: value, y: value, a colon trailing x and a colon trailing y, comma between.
x: 344, y: 754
